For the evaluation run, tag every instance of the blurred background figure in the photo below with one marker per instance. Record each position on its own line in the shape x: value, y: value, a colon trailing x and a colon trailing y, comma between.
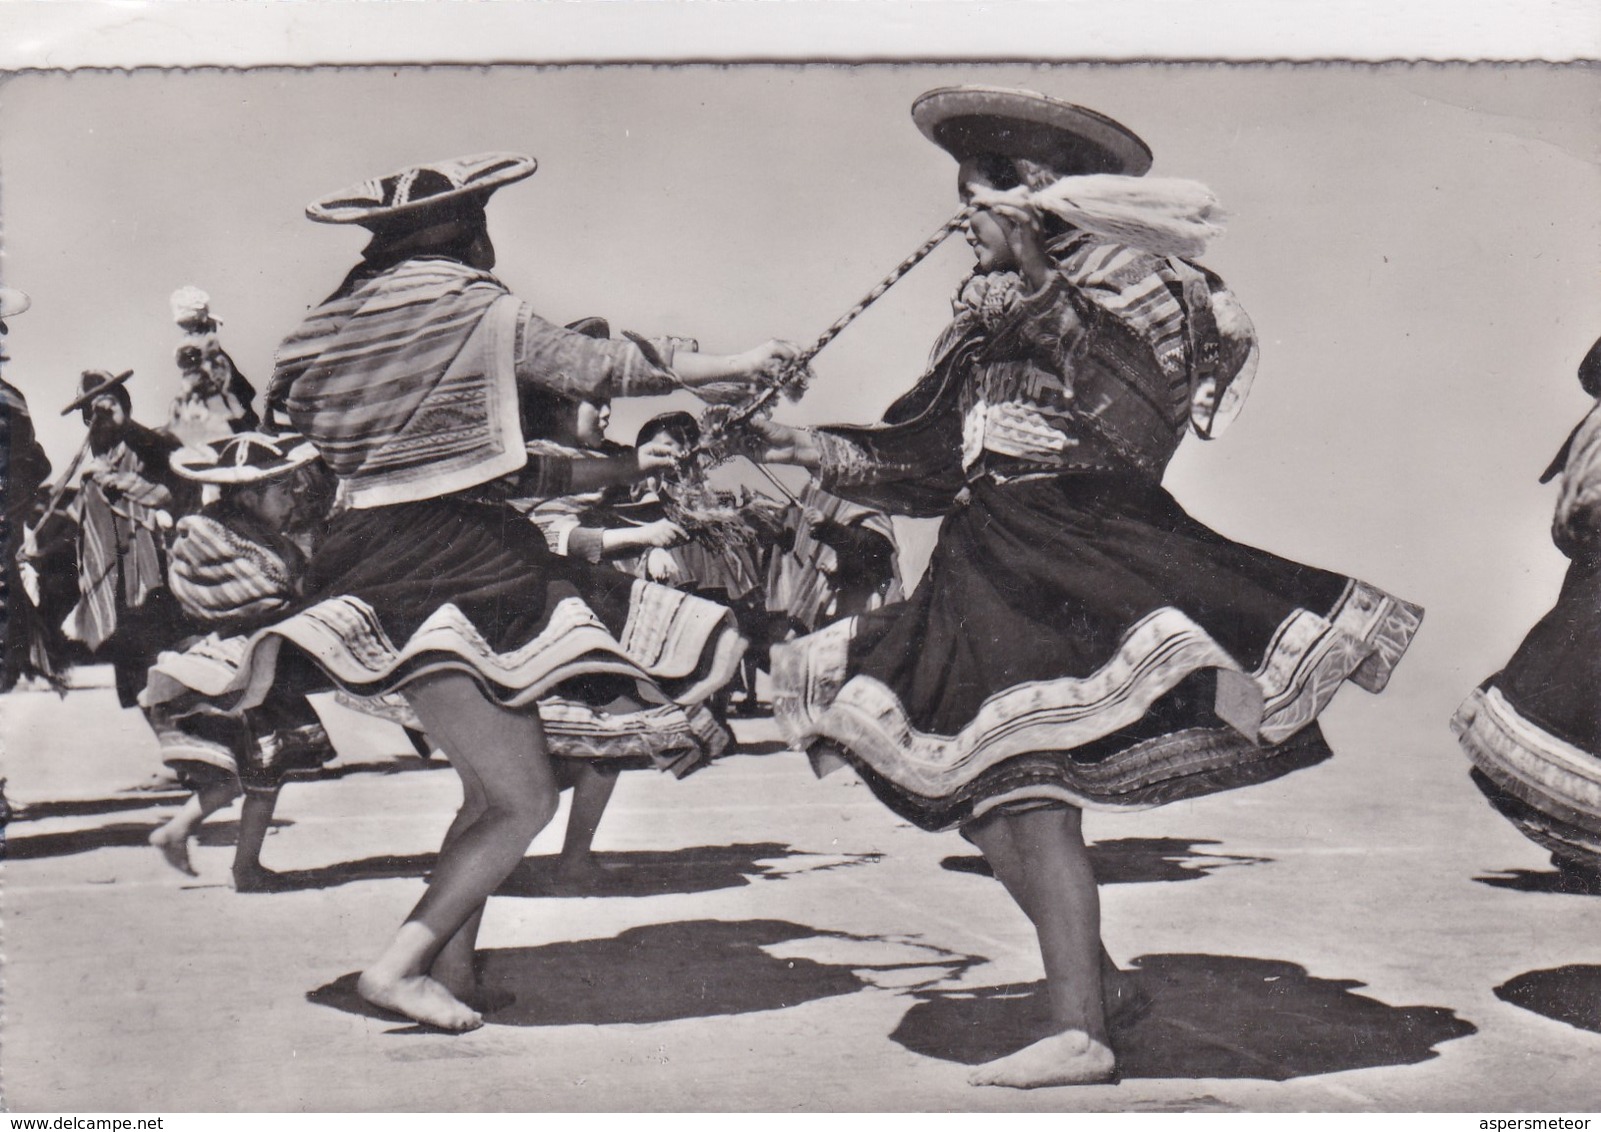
x: 127, y: 497
x: 32, y: 645
x: 216, y: 400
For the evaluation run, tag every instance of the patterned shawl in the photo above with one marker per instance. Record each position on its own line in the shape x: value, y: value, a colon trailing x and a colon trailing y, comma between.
x: 226, y: 568
x: 361, y: 376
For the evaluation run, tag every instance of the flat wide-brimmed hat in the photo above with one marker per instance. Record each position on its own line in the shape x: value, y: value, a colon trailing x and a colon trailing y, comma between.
x: 421, y: 192
x: 972, y: 121
x: 94, y: 382
x: 244, y: 457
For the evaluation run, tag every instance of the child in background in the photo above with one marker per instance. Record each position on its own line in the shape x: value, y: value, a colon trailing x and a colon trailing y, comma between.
x: 233, y: 566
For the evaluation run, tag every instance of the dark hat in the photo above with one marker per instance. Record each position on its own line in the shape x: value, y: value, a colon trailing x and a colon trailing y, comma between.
x: 975, y: 121
x: 1590, y: 370
x: 681, y: 426
x: 94, y: 382
x: 245, y: 457
x: 592, y: 326
x: 423, y: 193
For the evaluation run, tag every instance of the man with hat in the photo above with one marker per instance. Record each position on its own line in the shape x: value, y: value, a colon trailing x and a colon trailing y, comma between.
x: 1078, y: 641
x: 126, y: 500
x: 24, y: 468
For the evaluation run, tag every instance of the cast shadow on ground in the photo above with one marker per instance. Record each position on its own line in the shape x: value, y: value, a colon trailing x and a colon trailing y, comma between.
x: 685, y: 969
x: 400, y: 764
x: 87, y: 807
x: 1558, y: 881
x: 1137, y: 860
x: 117, y: 835
x: 699, y: 868
x: 1224, y: 1016
x: 1570, y: 994
x: 762, y: 747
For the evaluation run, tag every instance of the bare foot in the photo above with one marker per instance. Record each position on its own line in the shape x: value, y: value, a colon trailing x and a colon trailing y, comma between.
x: 1069, y: 1058
x: 174, y: 850
x: 421, y: 999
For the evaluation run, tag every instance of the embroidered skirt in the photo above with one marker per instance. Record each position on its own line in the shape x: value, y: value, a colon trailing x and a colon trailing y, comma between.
x: 1080, y: 639
x: 1533, y: 731
x: 414, y: 589
x: 256, y: 749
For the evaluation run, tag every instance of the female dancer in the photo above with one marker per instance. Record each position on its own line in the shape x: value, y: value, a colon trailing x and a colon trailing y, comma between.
x: 1533, y: 730
x: 1078, y: 640
x: 407, y: 379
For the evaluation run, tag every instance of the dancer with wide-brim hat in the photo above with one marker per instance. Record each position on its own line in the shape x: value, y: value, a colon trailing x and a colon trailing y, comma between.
x: 1078, y: 641
x: 408, y: 380
x: 235, y: 565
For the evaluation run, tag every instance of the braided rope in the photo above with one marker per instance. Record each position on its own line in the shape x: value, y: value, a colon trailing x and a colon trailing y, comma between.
x: 742, y: 413
x: 887, y: 282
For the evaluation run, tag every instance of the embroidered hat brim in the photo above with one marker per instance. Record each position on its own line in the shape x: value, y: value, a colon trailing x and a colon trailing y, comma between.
x: 13, y: 302
x: 245, y: 457
x: 419, y: 191
x: 972, y: 121
x: 86, y: 395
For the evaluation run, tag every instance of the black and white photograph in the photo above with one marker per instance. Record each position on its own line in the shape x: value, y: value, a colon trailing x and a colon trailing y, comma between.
x: 922, y: 584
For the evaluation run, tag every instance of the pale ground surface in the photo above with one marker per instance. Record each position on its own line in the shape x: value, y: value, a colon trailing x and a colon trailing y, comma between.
x: 783, y: 943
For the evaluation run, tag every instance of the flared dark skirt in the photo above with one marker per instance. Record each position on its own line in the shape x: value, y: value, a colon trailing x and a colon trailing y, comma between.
x: 1081, y: 639
x: 1533, y: 730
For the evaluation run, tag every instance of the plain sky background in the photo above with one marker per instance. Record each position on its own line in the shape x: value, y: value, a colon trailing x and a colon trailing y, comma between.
x: 1420, y: 247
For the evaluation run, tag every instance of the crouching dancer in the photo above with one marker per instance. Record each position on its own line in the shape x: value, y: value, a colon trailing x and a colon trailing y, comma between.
x: 408, y: 379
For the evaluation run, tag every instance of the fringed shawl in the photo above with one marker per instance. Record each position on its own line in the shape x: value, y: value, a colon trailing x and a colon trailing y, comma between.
x: 380, y: 379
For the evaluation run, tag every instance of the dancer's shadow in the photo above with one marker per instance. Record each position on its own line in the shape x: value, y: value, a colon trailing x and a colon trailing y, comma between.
x: 400, y: 764
x: 1211, y: 1016
x: 762, y: 747
x: 1570, y: 994
x: 88, y: 807
x: 38, y: 846
x: 1137, y: 860
x: 700, y: 868
x: 687, y: 969
x: 384, y: 867
x: 117, y: 835
x: 703, y: 868
x: 1561, y: 882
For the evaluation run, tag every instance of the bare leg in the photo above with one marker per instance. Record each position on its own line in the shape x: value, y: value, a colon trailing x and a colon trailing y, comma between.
x: 576, y: 867
x: 173, y: 838
x: 455, y: 966
x: 1122, y: 999
x: 504, y: 754
x: 1043, y: 852
x: 255, y: 816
